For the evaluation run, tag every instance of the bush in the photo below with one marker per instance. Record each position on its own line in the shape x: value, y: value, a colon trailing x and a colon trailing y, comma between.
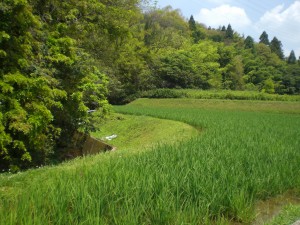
x: 163, y: 93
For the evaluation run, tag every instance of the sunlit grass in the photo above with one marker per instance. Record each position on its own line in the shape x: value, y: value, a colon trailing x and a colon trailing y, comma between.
x: 136, y: 133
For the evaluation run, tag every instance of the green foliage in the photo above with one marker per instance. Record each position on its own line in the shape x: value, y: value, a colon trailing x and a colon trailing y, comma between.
x: 205, y: 60
x: 162, y: 93
x: 47, y: 82
x: 27, y: 132
x: 263, y: 65
x: 235, y: 70
x: 217, y: 94
x: 292, y: 58
x: 269, y: 86
x: 249, y: 43
x: 165, y: 28
x: 61, y: 58
x: 291, y: 80
x: 192, y: 23
x: 196, y: 66
x: 264, y: 38
x: 276, y: 47
x: 176, y: 70
x: 229, y: 32
x: 197, y: 33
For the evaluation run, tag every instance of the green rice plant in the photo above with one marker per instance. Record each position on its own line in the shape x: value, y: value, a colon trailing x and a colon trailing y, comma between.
x: 213, y: 178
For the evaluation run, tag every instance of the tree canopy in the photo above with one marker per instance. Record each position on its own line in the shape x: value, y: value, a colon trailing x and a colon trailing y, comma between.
x: 292, y: 58
x: 264, y: 38
x: 276, y: 47
x: 229, y: 32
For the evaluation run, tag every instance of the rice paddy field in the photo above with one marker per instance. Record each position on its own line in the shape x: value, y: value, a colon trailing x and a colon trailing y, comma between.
x: 245, y: 152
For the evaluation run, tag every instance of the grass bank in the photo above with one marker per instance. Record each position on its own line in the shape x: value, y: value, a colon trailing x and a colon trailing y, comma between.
x: 138, y: 133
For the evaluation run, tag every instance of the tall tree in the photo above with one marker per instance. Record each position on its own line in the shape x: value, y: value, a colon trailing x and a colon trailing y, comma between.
x: 47, y: 81
x: 197, y: 35
x: 28, y: 92
x: 229, y: 32
x: 192, y: 23
x: 264, y: 38
x: 292, y: 58
x: 249, y: 43
x: 276, y: 47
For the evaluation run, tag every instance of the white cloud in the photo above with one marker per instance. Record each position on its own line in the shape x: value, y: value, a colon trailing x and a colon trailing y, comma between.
x: 284, y: 24
x: 219, y: 2
x: 223, y: 15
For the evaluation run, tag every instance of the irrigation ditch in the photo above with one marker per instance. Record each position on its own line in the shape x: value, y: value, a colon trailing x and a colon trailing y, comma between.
x: 267, y: 209
x: 82, y: 145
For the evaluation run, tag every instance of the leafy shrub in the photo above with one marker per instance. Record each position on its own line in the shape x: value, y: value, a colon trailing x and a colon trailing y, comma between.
x: 163, y: 93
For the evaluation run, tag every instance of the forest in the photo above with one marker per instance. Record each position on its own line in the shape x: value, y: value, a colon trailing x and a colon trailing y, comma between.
x: 61, y: 59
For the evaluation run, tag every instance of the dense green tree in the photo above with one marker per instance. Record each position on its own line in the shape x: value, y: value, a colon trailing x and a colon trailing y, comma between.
x: 205, y: 56
x: 215, y: 35
x: 165, y: 28
x: 195, y: 29
x: 291, y: 80
x: 264, y: 38
x: 268, y: 86
x: 195, y: 66
x: 176, y: 70
x: 72, y: 66
x: 276, y: 47
x: 229, y: 32
x: 226, y: 54
x: 261, y: 66
x: 48, y: 82
x: 235, y: 73
x: 28, y: 93
x: 107, y: 31
x: 292, y: 58
x: 249, y: 43
x: 192, y: 23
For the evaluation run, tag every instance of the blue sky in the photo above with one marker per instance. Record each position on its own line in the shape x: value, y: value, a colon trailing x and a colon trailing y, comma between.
x: 248, y: 17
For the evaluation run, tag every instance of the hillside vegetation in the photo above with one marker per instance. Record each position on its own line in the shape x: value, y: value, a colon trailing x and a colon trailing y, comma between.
x: 61, y: 59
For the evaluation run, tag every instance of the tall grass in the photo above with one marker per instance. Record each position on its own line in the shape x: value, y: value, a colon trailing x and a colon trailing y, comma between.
x: 217, y: 94
x: 212, y: 178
